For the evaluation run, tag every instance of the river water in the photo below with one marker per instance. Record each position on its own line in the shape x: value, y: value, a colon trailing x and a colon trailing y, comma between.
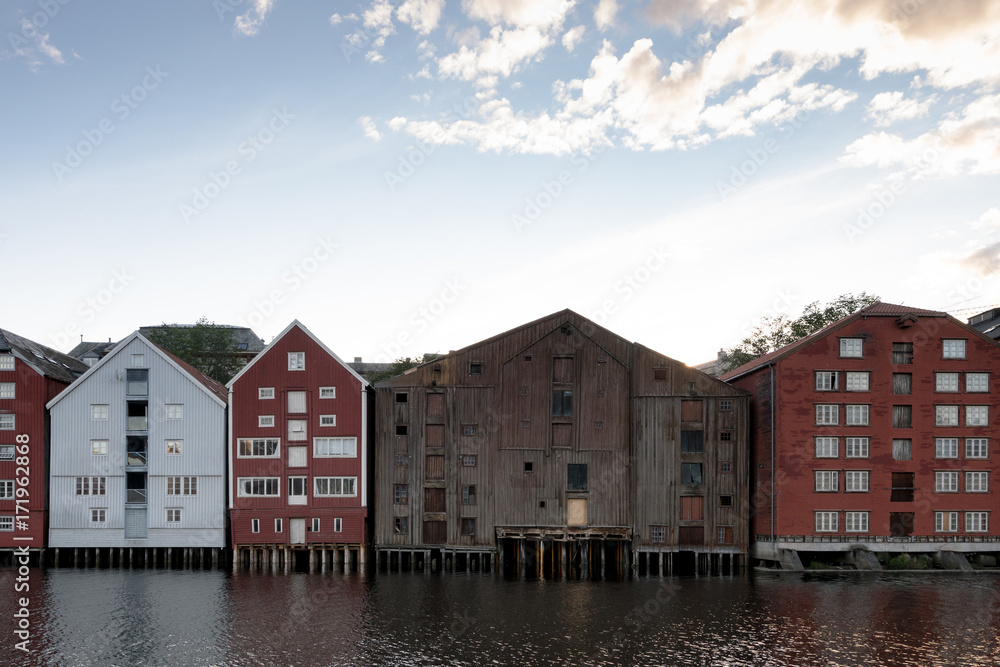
x: 170, y: 617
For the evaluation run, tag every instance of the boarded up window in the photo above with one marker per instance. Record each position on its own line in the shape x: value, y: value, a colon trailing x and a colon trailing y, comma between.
x: 691, y: 411
x: 435, y: 435
x: 902, y: 416
x: 296, y: 457
x: 660, y: 375
x: 562, y: 369
x: 296, y: 402
x: 433, y: 500
x: 562, y: 435
x: 902, y: 384
x: 692, y: 508
x: 692, y: 442
x: 434, y: 469
x: 576, y: 512
x: 435, y: 532
x: 691, y: 535
x: 900, y: 524
x: 576, y: 477
x: 296, y: 429
x: 435, y: 405
x: 902, y: 487
x: 902, y: 353
x: 902, y: 449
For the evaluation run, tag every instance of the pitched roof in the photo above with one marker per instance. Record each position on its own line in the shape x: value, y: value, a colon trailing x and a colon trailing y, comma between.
x: 83, y: 348
x: 244, y: 337
x: 44, y: 360
x: 878, y: 309
x: 987, y: 322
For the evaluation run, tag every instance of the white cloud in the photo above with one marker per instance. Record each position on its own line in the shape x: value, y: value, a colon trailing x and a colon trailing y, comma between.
x: 368, y: 125
x: 573, y: 37
x: 34, y: 50
x: 397, y: 123
x: 249, y: 22
x: 890, y: 107
x: 604, y: 14
x: 422, y: 15
x: 503, y: 53
x: 336, y: 19
x: 541, y: 14
x: 990, y: 221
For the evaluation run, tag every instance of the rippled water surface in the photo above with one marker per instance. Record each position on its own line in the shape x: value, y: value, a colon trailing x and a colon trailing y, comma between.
x: 122, y: 617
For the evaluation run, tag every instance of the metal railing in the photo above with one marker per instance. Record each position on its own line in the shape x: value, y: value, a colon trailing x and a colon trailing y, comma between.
x: 137, y: 424
x: 136, y: 496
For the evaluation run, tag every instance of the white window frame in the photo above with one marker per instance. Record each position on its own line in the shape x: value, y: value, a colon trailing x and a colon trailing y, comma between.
x: 94, y: 447
x: 977, y: 481
x: 7, y: 489
x: 856, y: 522
x: 827, y: 522
x: 335, y: 447
x: 137, y: 360
x: 857, y: 381
x: 857, y: 448
x: 827, y: 414
x: 827, y: 381
x: 328, y: 420
x: 946, y: 415
x: 826, y: 481
x: 953, y: 348
x: 262, y: 484
x: 296, y: 402
x: 98, y: 516
x: 946, y: 382
x: 182, y: 485
x: 334, y: 487
x: 852, y: 348
x: 977, y: 522
x: 327, y: 392
x: 174, y: 447
x: 315, y: 524
x: 254, y: 525
x: 977, y: 448
x: 977, y: 383
x: 265, y: 421
x: 940, y: 519
x: 8, y: 422
x: 857, y: 415
x: 977, y: 415
x: 857, y: 481
x: 265, y: 393
x: 827, y: 447
x: 296, y: 361
x: 175, y: 410
x: 946, y: 448
x: 8, y: 390
x: 99, y: 412
x: 279, y: 525
x: 945, y: 481
x: 295, y: 432
x: 254, y: 444
x: 338, y: 525
x: 6, y: 524
x: 6, y: 362
x: 173, y: 515
x: 6, y: 452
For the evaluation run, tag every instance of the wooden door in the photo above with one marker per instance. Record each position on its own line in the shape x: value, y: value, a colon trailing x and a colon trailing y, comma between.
x: 435, y: 532
x: 576, y: 512
x: 135, y: 524
x: 434, y: 469
x: 434, y: 500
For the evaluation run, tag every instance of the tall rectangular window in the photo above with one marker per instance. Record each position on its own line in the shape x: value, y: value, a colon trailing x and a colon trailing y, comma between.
x: 977, y: 382
x: 946, y: 481
x: 902, y: 384
x: 856, y: 448
x: 827, y: 522
x: 977, y: 482
x: 296, y: 402
x: 562, y: 403
x: 7, y: 488
x: 99, y: 447
x: 977, y: 448
x: 174, y: 447
x: 827, y: 448
x: 576, y: 476
x: 946, y: 382
x: 136, y: 382
x: 856, y: 522
x: 977, y: 415
x: 691, y: 473
x: 902, y: 449
x: 946, y: 522
x: 826, y: 381
x: 278, y: 525
x: 400, y: 494
x: 857, y: 415
x: 946, y: 448
x: 692, y: 442
x: 826, y: 481
x: 856, y: 481
x: 857, y: 380
x: 953, y: 348
x: 902, y: 353
x: 851, y: 347
x: 946, y: 415
x: 254, y: 525
x: 469, y: 495
x: 827, y: 415
x: 296, y: 361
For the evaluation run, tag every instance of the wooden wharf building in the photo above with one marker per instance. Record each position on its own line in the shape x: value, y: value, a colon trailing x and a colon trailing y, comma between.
x: 561, y: 450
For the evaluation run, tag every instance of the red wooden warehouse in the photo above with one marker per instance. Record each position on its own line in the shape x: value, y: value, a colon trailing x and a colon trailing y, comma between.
x: 30, y: 376
x: 875, y: 437
x: 297, y: 457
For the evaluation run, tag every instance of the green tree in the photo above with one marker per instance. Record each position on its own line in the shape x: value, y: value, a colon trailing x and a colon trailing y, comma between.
x: 775, y: 332
x: 398, y: 367
x: 209, y: 347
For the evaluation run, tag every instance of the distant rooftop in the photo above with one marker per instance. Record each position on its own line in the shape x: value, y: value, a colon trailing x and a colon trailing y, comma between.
x: 246, y: 340
x: 988, y: 322
x: 50, y: 363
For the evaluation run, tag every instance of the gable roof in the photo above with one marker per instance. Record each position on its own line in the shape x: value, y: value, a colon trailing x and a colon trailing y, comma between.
x: 44, y: 360
x: 267, y: 348
x: 83, y: 349
x: 212, y: 388
x: 878, y: 309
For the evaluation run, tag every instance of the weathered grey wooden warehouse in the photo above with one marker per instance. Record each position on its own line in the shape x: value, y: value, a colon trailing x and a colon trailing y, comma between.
x: 560, y: 449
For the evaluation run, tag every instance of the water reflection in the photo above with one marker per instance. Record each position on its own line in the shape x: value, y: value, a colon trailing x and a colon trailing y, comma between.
x: 112, y: 617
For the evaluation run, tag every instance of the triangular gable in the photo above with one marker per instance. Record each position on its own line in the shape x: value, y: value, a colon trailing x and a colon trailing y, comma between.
x: 267, y: 348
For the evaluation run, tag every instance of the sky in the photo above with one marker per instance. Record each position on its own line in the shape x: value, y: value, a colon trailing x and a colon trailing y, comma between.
x: 413, y: 176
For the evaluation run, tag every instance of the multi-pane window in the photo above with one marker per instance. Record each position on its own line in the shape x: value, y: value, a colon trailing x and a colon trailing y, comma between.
x: 468, y: 495
x: 946, y: 481
x: 99, y: 515
x: 977, y: 448
x: 400, y: 494
x: 851, y: 347
x: 827, y: 522
x: 902, y: 353
x: 173, y: 515
x: 329, y: 392
x: 6, y: 362
x: 258, y: 447
x: 401, y: 525
x: 725, y: 467
x: 258, y: 486
x: 856, y: 481
x: 7, y: 390
x: 946, y: 448
x: 401, y: 460
x: 977, y: 382
x: 725, y: 534
x: 827, y: 448
x: 826, y: 381
x: 175, y: 411
x: 7, y: 488
x: 6, y: 522
x: 977, y: 415
x: 725, y: 404
x: 265, y: 421
x: 977, y: 482
x: 856, y: 522
x: 99, y: 447
x: 6, y: 452
x: 946, y: 382
x: 953, y: 348
x: 297, y: 489
x: 857, y: 380
x: 946, y: 415
x: 6, y: 422
x: 174, y: 447
x: 265, y: 392
x: 946, y: 522
x: 827, y: 481
x: 336, y: 486
x: 469, y: 460
x: 902, y: 449
x: 469, y: 429
x: 977, y: 522
x: 856, y: 448
x: 98, y: 412
x: 296, y: 361
x: 182, y: 486
x: 658, y: 534
x: 328, y: 420
x: 827, y: 415
x: 335, y: 447
x: 857, y: 415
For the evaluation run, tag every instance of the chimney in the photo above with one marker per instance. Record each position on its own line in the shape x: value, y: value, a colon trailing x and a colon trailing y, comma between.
x: 357, y: 360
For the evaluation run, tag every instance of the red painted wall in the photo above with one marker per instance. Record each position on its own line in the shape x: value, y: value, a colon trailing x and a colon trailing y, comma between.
x: 321, y: 370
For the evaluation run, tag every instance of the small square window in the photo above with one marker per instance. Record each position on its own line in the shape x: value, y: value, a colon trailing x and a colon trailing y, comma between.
x: 174, y: 447
x: 525, y: 423
x: 529, y: 466
x: 725, y: 501
x: 953, y: 348
x: 469, y: 429
x: 138, y: 360
x: 99, y: 412
x: 469, y: 460
x: 402, y: 429
x: 946, y: 382
x: 402, y: 397
x: 725, y: 467
x: 725, y: 404
x: 658, y: 534
x: 725, y: 436
x: 265, y: 392
x: 173, y: 515
x: 476, y: 368
x: 6, y: 362
x: 296, y: 361
x: 401, y: 460
x: 598, y: 425
x: 99, y: 447
x: 660, y: 375
x: 175, y: 411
